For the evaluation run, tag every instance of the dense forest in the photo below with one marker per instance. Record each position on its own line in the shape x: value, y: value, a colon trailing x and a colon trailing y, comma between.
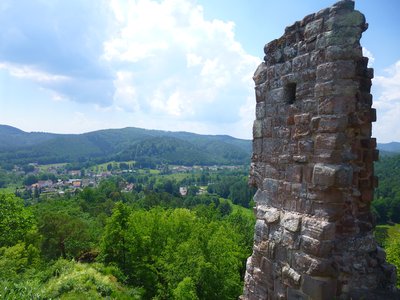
x: 150, y: 243
x: 148, y: 147
x: 386, y: 205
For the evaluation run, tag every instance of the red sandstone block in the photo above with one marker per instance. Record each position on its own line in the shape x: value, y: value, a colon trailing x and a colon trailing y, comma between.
x: 365, y: 184
x: 372, y: 143
x: 306, y: 86
x: 365, y: 99
x: 328, y: 175
x: 257, y: 146
x: 266, y: 128
x: 318, y: 287
x: 305, y: 146
x: 294, y: 173
x: 307, y: 173
x: 327, y: 157
x: 317, y: 228
x: 260, y: 91
x: 343, y: 88
x: 344, y: 69
x: 315, y: 247
x: 345, y: 52
x: 300, y: 62
x: 369, y: 143
x: 302, y: 131
x: 329, y: 211
x: 375, y: 155
x: 302, y: 119
x: 260, y: 75
x: 355, y: 178
x: 312, y: 266
x: 329, y: 140
x: 279, y: 290
x: 370, y: 73
x: 365, y: 85
x: 337, y: 105
x: 364, y: 173
x: 293, y: 293
x: 260, y: 110
x: 303, y: 205
x: 332, y: 196
x: 312, y: 29
x: 280, y: 252
x: 366, y: 130
x: 317, y: 57
x: 332, y: 123
x: 367, y: 195
x: 300, y: 158
x: 309, y: 105
x: 267, y: 269
x: 289, y: 202
x: 290, y: 120
x: 283, y: 69
x: 282, y: 132
x: 372, y: 115
x: 290, y: 240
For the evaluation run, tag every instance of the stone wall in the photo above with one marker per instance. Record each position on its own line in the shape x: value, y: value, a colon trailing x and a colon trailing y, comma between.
x: 313, y: 165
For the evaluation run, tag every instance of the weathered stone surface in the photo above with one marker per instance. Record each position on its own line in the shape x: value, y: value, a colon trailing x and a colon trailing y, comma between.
x: 271, y: 215
x: 291, y: 221
x: 318, y: 229
x: 260, y: 75
x: 290, y: 276
x: 313, y: 165
x: 327, y: 175
x: 318, y: 287
x: 315, y: 247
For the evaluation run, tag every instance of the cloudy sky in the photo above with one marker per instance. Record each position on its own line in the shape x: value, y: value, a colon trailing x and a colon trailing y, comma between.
x: 81, y: 65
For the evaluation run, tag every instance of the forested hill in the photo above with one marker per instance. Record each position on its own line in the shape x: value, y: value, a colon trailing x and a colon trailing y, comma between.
x: 386, y: 205
x: 389, y: 148
x: 147, y: 147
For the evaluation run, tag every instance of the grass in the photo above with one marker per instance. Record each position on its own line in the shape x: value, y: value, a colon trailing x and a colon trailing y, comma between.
x: 45, y: 168
x: 236, y: 208
x: 9, y: 189
x: 103, y: 166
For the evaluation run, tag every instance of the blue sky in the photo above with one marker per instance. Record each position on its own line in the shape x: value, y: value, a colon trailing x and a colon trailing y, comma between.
x: 77, y: 66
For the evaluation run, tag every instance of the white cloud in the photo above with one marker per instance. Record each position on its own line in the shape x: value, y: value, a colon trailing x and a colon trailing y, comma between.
x: 31, y: 73
x: 186, y: 67
x: 125, y: 96
x: 155, y: 62
x: 388, y: 104
x: 370, y: 56
x: 57, y: 45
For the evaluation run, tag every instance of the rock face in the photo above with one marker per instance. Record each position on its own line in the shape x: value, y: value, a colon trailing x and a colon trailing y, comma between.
x: 313, y: 166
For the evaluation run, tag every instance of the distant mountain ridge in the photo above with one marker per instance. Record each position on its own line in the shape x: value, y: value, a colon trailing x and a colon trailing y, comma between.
x: 389, y: 148
x: 143, y: 145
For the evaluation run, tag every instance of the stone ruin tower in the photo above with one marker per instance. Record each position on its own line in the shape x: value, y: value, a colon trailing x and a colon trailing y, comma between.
x: 313, y: 166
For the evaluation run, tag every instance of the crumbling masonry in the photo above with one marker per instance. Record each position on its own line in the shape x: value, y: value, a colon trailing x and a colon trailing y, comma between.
x: 313, y: 166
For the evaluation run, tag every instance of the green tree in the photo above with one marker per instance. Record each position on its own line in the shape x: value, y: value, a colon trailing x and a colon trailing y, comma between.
x: 67, y: 232
x: 392, y: 248
x: 186, y: 290
x: 114, y: 245
x: 17, y: 259
x: 30, y: 179
x: 3, y: 179
x: 225, y: 208
x: 15, y: 220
